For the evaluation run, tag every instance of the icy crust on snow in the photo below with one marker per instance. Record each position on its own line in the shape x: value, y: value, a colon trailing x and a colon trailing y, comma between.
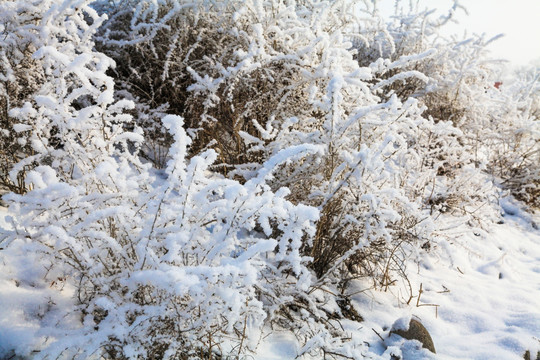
x: 480, y: 299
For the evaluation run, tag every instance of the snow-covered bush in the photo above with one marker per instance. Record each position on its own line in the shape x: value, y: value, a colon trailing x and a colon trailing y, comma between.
x: 498, y: 125
x: 199, y: 267
x: 184, y: 265
x: 253, y: 78
x: 455, y: 80
x: 20, y: 77
x: 168, y: 51
x: 514, y: 154
x: 293, y: 146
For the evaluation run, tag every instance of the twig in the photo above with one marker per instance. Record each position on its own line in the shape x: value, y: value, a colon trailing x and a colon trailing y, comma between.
x: 379, y: 335
x: 419, y: 294
x: 446, y: 290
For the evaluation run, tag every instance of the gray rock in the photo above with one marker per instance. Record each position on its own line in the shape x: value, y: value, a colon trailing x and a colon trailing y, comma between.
x: 417, y: 331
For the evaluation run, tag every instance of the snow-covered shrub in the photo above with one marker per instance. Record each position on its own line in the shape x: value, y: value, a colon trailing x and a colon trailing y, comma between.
x: 316, y: 145
x: 20, y: 77
x: 454, y: 80
x: 184, y: 265
x: 191, y: 261
x: 199, y: 267
x: 498, y: 125
x: 430, y: 68
x: 253, y: 78
x: 514, y: 154
x: 167, y: 51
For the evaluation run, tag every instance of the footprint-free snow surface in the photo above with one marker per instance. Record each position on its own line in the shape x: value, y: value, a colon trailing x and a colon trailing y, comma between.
x: 480, y: 299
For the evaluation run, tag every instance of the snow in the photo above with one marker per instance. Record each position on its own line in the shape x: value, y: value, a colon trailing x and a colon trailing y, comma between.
x: 402, y: 323
x: 17, y: 331
x: 411, y: 159
x: 482, y: 302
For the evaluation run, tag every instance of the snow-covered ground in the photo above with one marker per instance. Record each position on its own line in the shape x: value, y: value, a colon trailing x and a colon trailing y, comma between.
x: 480, y: 299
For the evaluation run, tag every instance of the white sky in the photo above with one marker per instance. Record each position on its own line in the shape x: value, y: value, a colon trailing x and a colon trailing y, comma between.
x: 519, y: 20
